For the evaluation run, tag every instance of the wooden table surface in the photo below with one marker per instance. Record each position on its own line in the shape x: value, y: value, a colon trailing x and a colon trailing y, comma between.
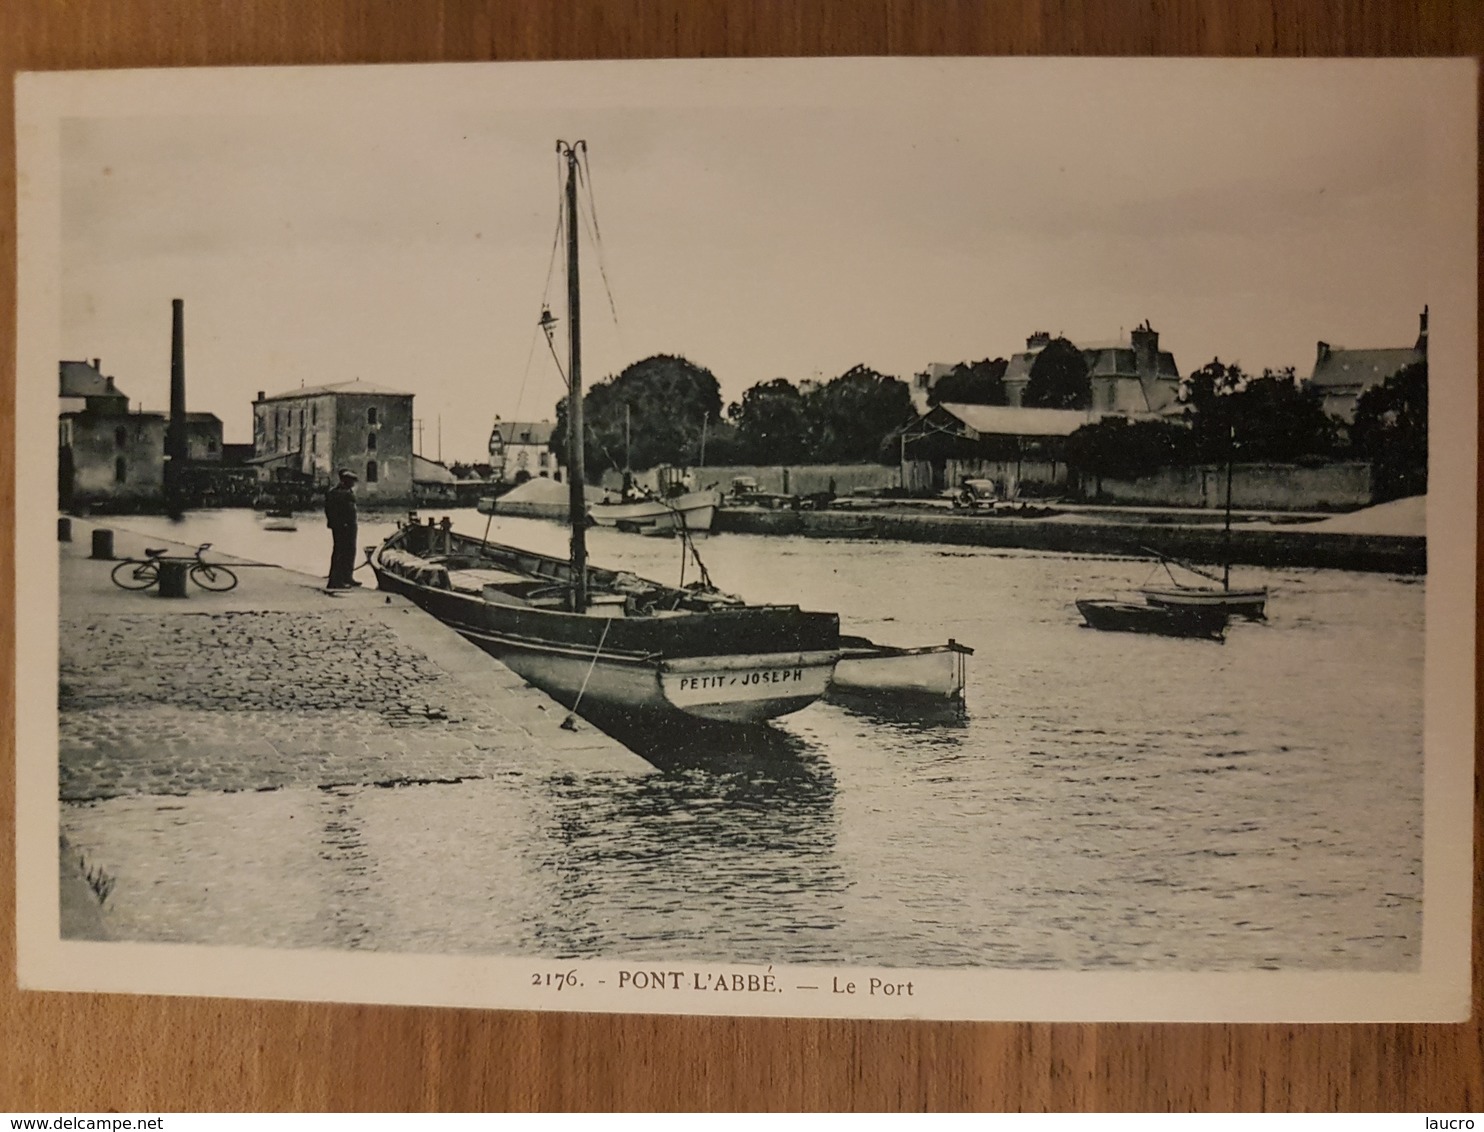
x: 94, y: 1052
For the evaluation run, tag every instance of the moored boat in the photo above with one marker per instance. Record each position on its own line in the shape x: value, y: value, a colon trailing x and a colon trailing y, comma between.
x: 934, y: 673
x: 639, y: 651
x: 279, y: 520
x: 618, y: 649
x: 1250, y: 603
x: 693, y: 510
x: 1167, y: 621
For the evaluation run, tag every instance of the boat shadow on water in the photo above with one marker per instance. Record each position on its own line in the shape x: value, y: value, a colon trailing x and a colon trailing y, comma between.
x: 700, y: 745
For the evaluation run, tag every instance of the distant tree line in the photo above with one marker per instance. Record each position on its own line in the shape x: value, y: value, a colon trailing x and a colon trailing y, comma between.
x: 668, y: 410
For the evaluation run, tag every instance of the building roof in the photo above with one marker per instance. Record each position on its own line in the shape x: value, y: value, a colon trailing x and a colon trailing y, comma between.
x: 85, y: 379
x: 1006, y: 420
x: 202, y: 418
x: 525, y: 432
x: 1337, y: 367
x: 430, y: 471
x: 340, y: 389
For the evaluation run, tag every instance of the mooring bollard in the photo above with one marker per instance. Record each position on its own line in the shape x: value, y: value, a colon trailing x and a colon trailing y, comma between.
x: 173, y: 578
x: 64, y: 529
x: 102, y: 543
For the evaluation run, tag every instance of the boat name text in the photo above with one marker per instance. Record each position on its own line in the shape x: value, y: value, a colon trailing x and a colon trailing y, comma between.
x: 743, y: 679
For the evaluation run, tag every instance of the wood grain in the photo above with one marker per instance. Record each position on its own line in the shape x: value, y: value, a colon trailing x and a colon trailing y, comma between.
x: 92, y: 1052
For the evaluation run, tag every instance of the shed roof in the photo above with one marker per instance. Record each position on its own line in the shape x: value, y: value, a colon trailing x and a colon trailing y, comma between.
x: 1007, y: 420
x: 430, y: 471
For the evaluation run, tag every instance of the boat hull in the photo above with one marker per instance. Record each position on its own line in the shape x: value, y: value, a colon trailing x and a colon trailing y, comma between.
x: 694, y: 510
x: 735, y: 665
x: 875, y: 672
x: 1130, y: 617
x: 1248, y: 603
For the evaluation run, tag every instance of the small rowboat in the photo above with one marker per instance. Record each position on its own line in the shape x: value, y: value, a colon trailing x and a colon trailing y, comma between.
x: 871, y: 671
x: 279, y: 521
x: 1166, y: 621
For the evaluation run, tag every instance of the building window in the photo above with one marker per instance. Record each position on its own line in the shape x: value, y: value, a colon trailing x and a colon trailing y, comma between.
x: 314, y: 414
x: 370, y: 471
x: 119, y: 468
x: 121, y: 437
x: 314, y: 442
x: 211, y: 446
x: 371, y: 415
x: 370, y: 442
x: 545, y: 458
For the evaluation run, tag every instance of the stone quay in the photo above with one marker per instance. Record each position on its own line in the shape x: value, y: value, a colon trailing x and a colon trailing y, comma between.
x: 280, y: 684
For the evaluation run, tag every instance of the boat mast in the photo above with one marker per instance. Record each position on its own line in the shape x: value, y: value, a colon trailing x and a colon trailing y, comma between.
x: 1226, y: 548
x: 576, y: 472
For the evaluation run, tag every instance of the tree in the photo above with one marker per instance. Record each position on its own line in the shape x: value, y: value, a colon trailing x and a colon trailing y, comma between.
x: 972, y: 383
x: 1058, y: 378
x: 853, y: 417
x: 1390, y: 430
x: 1272, y: 417
x: 658, y: 404
x: 772, y: 423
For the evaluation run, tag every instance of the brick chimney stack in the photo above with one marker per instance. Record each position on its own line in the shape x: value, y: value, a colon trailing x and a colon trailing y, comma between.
x: 1145, y: 341
x: 1422, y: 332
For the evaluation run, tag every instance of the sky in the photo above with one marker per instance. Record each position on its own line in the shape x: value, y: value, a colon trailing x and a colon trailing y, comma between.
x: 776, y: 224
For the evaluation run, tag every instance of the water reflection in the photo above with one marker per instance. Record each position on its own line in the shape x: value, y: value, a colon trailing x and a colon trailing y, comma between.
x: 643, y: 864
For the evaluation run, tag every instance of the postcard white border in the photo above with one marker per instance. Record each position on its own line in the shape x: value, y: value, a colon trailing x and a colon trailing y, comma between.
x: 1438, y: 991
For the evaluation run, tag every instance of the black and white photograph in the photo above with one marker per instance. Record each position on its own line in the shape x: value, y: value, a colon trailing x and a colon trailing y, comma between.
x: 903, y: 538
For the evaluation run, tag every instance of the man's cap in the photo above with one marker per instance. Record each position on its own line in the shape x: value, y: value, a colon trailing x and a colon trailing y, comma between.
x: 347, y: 474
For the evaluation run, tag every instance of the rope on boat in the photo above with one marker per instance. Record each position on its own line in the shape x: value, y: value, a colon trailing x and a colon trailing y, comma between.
x: 570, y: 723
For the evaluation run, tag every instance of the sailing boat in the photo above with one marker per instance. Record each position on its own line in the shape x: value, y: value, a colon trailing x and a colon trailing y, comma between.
x: 615, y: 648
x: 654, y: 515
x: 1250, y: 602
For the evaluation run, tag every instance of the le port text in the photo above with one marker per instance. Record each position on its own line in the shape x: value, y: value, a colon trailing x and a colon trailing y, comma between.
x: 874, y: 987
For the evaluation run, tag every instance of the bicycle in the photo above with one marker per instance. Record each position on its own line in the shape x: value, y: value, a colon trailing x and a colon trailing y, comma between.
x: 142, y: 573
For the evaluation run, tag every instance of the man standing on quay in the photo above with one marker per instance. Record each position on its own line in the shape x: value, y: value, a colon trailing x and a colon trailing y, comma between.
x: 340, y: 517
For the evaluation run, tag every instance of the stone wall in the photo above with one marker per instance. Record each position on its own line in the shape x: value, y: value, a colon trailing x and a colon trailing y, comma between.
x: 1256, y: 487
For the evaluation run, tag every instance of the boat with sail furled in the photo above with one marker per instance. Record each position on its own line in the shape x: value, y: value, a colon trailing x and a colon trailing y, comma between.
x: 635, y: 649
x: 615, y: 648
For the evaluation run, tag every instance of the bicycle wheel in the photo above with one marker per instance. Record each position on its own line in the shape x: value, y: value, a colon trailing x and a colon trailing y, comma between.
x: 212, y: 577
x: 131, y: 574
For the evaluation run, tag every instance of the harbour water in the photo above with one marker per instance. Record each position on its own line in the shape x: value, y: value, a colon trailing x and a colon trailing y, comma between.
x: 1107, y: 800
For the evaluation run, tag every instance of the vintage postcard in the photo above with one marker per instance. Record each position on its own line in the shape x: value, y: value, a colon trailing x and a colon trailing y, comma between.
x: 933, y: 538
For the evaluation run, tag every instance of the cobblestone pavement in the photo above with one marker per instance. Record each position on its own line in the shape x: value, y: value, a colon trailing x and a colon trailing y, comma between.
x: 243, y: 701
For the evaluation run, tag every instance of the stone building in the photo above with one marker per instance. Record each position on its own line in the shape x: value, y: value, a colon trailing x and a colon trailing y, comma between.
x: 1343, y: 375
x: 203, y: 438
x: 306, y: 436
x: 107, y: 457
x: 1134, y: 378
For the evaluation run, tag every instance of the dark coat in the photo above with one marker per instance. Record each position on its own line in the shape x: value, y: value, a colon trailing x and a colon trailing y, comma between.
x: 340, y: 508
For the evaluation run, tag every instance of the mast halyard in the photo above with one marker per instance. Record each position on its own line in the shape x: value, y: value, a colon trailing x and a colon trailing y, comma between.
x: 576, y: 471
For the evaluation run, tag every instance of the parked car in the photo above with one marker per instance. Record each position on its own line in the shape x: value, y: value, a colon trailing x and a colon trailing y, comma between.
x: 976, y: 494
